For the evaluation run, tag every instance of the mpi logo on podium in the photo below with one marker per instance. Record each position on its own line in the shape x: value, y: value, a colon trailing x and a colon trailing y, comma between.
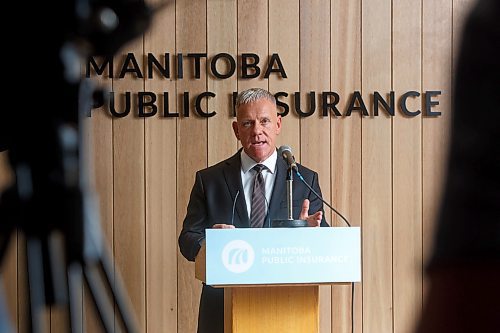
x: 238, y: 256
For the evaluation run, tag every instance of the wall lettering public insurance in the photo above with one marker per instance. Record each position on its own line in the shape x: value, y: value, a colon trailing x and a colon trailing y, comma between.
x: 247, y: 66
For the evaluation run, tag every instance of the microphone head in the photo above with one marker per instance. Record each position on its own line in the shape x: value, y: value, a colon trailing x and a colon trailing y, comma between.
x: 286, y: 153
x: 282, y: 149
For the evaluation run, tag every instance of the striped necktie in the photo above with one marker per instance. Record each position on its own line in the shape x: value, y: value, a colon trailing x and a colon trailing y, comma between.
x: 258, y: 212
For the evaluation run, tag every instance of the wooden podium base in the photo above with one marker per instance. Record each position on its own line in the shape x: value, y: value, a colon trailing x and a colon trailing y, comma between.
x: 280, y: 309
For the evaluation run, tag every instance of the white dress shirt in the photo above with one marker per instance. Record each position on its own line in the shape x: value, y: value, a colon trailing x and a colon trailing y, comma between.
x: 248, y: 174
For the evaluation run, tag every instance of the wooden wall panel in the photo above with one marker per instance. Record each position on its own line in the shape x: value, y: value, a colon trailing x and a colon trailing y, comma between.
x: 191, y: 149
x: 221, y: 37
x: 315, y: 129
x: 161, y: 185
x: 376, y: 171
x: 407, y: 167
x: 128, y: 192
x: 383, y: 173
x: 436, y: 75
x: 345, y: 146
x: 284, y: 40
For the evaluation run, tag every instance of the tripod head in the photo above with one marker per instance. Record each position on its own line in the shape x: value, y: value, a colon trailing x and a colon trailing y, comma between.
x: 43, y: 142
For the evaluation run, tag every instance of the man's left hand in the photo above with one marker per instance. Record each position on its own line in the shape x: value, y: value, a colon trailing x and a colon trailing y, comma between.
x: 313, y: 220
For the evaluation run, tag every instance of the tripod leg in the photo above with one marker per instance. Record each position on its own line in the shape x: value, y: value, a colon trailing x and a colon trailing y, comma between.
x: 98, y: 295
x: 36, y: 283
x: 75, y: 284
x: 99, y: 274
x: 123, y: 304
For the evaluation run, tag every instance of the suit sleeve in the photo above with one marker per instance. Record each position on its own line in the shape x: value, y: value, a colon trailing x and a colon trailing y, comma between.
x: 315, y: 203
x: 195, y: 222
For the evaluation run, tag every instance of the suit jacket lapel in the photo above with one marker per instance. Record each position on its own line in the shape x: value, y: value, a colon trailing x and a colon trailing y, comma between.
x: 278, y: 190
x: 232, y: 175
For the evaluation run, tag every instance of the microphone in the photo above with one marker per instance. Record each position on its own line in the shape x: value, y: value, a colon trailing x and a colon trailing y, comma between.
x: 320, y: 198
x: 290, y: 222
x: 286, y: 153
x: 234, y: 206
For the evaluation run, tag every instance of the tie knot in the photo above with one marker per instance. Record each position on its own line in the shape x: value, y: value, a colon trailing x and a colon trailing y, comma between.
x: 259, y: 167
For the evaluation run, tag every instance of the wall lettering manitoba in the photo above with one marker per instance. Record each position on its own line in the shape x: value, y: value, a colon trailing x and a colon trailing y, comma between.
x: 176, y: 67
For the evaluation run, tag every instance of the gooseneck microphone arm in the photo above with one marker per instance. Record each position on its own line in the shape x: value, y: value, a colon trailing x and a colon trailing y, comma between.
x: 320, y: 198
x: 234, y: 206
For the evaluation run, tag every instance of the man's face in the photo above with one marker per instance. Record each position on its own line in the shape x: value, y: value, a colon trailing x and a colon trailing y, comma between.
x: 257, y: 126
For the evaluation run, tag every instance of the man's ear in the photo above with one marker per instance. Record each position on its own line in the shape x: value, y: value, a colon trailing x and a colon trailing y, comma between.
x: 278, y: 124
x: 235, y: 129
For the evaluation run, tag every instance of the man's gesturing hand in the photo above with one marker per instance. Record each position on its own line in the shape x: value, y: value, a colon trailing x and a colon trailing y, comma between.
x: 313, y: 220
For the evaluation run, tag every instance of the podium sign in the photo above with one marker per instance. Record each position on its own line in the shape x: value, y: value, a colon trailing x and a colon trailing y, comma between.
x: 282, y: 256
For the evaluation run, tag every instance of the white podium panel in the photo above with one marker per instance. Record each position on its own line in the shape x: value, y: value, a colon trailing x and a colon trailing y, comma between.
x: 281, y: 256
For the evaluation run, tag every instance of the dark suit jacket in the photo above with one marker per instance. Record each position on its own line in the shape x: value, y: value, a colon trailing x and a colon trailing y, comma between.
x: 211, y: 202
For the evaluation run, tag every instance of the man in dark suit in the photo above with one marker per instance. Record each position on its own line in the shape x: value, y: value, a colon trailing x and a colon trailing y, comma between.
x: 232, y: 182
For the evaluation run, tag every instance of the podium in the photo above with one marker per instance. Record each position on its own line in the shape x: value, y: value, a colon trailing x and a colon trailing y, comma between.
x: 271, y: 277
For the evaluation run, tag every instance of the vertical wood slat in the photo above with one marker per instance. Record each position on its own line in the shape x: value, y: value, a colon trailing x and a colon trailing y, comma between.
x: 161, y: 185
x: 221, y: 37
x: 315, y: 129
x: 442, y: 27
x: 407, y: 168
x: 102, y: 164
x: 376, y: 171
x: 59, y: 319
x: 345, y: 146
x: 284, y: 40
x: 436, y: 75
x: 460, y: 10
x: 253, y: 37
x: 23, y: 319
x: 6, y: 172
x: 128, y: 191
x: 191, y: 148
x: 98, y: 142
x: 9, y: 294
x: 9, y: 268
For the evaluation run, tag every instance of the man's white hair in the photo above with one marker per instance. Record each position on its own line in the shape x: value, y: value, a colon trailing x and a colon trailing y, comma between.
x: 253, y: 95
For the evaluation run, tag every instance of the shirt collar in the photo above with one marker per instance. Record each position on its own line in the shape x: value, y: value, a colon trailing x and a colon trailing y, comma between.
x: 247, y: 162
